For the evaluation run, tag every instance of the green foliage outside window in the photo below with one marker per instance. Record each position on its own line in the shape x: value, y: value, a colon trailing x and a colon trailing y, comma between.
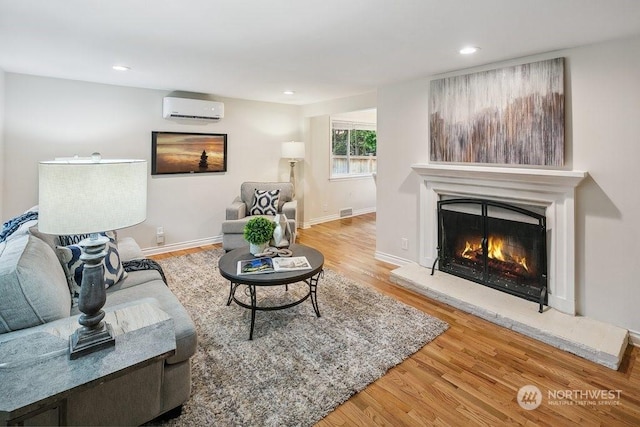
x: 353, y: 150
x: 361, y: 142
x: 339, y: 143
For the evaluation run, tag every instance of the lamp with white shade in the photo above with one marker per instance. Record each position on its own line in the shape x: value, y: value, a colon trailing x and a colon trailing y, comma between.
x: 91, y: 196
x: 294, y: 151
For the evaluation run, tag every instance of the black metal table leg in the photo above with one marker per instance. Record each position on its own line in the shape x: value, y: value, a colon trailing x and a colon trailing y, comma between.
x: 232, y: 290
x: 313, y: 285
x: 252, y: 292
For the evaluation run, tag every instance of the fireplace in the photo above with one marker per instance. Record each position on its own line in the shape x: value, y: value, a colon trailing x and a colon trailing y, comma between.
x: 495, y: 244
x: 545, y: 192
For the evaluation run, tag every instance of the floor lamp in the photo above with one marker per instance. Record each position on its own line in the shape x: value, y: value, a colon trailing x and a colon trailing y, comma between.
x: 90, y: 196
x: 293, y: 151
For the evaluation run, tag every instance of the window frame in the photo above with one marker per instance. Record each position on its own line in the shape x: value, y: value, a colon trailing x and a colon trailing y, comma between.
x: 349, y: 126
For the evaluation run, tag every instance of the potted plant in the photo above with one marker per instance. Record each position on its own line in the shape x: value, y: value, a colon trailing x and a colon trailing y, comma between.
x: 258, y: 231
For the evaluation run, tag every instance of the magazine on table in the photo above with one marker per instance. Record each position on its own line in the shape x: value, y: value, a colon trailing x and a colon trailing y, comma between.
x: 255, y: 266
x: 291, y: 263
x: 270, y: 265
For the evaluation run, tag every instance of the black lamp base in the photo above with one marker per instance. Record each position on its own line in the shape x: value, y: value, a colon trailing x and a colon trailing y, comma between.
x: 85, y: 341
x: 94, y: 334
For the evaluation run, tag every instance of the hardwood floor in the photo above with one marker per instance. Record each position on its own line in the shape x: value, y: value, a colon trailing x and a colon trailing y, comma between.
x: 471, y: 374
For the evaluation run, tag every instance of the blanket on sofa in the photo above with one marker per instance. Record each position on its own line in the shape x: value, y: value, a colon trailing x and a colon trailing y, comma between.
x: 143, y: 264
x: 11, y: 226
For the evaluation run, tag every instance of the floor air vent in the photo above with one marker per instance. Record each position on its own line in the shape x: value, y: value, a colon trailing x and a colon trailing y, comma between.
x: 346, y: 212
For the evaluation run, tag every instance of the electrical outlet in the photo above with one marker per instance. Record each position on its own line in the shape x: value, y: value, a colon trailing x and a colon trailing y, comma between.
x: 160, y: 235
x: 325, y: 207
x: 404, y: 243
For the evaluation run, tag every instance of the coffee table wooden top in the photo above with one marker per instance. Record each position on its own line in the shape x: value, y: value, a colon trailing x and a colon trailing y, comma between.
x: 228, y: 265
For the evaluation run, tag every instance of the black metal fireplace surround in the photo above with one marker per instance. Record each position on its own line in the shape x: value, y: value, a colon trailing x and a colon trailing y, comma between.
x: 495, y: 244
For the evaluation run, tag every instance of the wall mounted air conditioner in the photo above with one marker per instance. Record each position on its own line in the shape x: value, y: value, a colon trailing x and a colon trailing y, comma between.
x: 193, y: 109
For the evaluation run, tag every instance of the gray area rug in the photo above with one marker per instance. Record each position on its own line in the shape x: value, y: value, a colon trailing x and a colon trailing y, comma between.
x: 298, y: 367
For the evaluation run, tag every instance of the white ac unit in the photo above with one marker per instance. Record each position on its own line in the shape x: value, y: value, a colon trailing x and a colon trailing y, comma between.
x: 193, y: 109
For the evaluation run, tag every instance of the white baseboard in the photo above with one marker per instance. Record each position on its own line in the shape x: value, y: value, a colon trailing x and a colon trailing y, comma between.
x: 333, y: 217
x: 392, y: 259
x: 161, y: 249
x: 634, y: 338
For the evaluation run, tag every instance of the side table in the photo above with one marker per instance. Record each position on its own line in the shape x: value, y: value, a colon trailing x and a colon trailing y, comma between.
x: 36, y: 388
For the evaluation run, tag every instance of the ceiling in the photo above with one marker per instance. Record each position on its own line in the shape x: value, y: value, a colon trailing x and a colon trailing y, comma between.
x: 321, y: 49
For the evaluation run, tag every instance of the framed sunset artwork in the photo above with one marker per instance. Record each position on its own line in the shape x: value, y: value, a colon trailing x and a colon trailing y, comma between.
x: 181, y: 153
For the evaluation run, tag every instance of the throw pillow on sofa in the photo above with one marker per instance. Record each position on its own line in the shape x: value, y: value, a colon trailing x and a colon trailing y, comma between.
x: 33, y: 289
x: 73, y: 265
x: 265, y: 202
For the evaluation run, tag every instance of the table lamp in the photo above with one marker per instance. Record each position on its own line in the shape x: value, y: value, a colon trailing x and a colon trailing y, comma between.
x: 90, y: 196
x: 293, y: 151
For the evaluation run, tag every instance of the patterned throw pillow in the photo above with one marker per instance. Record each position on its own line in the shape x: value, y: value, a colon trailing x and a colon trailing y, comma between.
x: 74, y: 239
x: 70, y: 258
x: 265, y: 202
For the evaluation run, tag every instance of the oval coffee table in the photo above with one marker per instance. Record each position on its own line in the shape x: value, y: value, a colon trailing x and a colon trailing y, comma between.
x: 228, y: 265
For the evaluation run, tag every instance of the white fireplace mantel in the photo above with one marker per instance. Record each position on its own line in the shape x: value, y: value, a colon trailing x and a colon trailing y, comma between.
x: 553, y: 190
x: 522, y: 176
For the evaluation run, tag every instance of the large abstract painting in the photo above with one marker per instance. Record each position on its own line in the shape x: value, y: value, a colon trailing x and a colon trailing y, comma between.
x: 512, y: 115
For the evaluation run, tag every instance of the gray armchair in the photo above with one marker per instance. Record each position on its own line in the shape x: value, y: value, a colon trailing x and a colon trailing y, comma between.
x: 239, y: 212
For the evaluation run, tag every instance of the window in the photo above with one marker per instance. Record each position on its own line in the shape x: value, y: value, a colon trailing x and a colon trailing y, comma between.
x: 353, y: 148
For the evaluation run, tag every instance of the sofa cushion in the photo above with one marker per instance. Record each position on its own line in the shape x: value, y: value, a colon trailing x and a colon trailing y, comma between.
x: 135, y: 278
x: 129, y: 249
x: 265, y: 202
x: 73, y: 266
x: 33, y: 289
x: 165, y: 300
x: 50, y: 239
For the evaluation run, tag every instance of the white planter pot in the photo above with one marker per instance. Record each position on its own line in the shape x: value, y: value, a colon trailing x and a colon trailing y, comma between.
x: 257, y: 249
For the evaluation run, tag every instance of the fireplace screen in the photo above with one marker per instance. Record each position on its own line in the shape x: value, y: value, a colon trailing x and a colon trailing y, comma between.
x: 495, y: 244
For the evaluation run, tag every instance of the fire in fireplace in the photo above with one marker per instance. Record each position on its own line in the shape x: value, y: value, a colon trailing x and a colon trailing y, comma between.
x: 495, y: 244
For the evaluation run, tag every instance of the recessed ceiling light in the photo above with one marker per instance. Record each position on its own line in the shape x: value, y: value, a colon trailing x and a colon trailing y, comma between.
x: 121, y: 68
x: 468, y: 50
x: 288, y: 92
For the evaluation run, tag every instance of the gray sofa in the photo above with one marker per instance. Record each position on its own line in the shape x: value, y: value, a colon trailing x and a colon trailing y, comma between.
x: 36, y: 297
x: 239, y: 212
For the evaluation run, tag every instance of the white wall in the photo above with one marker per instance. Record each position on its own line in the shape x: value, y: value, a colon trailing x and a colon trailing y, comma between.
x: 603, y: 133
x: 47, y: 118
x: 402, y: 141
x: 606, y: 137
x: 325, y: 197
